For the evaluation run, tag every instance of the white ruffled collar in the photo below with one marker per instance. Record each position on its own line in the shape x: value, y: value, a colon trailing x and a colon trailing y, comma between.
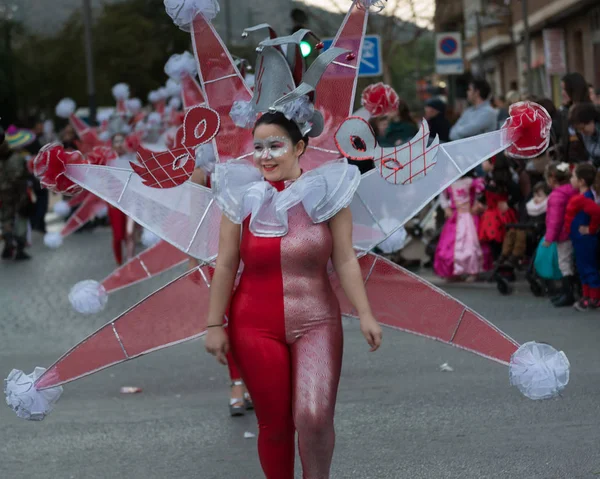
x: 241, y: 191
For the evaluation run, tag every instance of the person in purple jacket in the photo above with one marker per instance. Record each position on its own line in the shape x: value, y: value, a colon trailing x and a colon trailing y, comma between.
x: 558, y: 176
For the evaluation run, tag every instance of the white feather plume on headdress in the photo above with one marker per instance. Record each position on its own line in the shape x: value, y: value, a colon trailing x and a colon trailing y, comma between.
x: 65, y: 108
x: 181, y: 64
x: 120, y: 91
x: 183, y: 12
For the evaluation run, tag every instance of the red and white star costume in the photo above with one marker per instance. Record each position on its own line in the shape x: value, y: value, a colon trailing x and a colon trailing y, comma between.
x: 285, y: 312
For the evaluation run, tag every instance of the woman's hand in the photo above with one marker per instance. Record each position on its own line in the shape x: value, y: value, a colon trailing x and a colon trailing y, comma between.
x: 447, y: 212
x: 371, y: 331
x: 217, y: 343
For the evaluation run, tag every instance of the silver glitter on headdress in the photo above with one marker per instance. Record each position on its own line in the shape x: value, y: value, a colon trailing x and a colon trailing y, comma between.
x: 275, y: 88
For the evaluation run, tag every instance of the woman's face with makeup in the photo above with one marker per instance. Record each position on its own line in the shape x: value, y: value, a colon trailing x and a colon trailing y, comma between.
x: 275, y: 155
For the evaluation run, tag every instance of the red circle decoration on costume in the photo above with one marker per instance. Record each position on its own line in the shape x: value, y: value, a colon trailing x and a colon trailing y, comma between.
x: 50, y: 166
x: 380, y: 99
x: 101, y: 156
x: 532, y: 124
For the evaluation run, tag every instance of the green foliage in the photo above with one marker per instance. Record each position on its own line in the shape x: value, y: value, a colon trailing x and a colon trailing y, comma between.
x: 410, y: 63
x: 132, y: 42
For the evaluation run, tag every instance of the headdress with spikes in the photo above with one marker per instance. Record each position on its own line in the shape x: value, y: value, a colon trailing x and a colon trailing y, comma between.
x: 286, y: 88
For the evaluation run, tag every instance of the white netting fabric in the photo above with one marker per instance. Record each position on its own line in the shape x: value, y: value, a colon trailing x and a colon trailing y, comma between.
x: 185, y: 216
x: 240, y: 191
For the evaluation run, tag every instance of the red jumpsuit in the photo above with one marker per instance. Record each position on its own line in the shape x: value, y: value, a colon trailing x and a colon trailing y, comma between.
x: 286, y: 337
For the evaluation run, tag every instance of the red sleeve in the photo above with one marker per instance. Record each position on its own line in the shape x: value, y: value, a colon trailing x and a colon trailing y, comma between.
x: 591, y: 208
x: 574, y: 206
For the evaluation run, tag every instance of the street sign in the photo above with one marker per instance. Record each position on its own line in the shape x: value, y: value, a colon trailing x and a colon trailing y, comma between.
x: 370, y: 62
x: 448, y: 54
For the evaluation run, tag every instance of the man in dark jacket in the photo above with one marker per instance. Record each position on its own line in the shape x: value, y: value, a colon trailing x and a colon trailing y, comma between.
x: 435, y: 114
x: 15, y: 202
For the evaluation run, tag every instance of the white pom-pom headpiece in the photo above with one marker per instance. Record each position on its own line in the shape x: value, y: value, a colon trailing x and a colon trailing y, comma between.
x: 53, y: 240
x: 104, y: 115
x: 65, y: 108
x: 120, y: 91
x: 175, y: 103
x: 154, y: 118
x: 134, y: 105
x: 173, y: 88
x: 88, y: 297
x: 183, y: 12
x: 180, y: 65
x: 538, y: 370
x: 23, y: 397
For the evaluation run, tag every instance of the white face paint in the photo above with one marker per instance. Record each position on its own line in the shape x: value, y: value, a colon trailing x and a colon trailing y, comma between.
x: 271, y: 147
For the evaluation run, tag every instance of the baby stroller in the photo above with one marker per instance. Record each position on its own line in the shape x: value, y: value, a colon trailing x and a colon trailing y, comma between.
x: 505, y: 274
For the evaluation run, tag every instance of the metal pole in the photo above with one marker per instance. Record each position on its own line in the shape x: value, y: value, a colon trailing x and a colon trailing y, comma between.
x: 527, y: 42
x: 228, y: 25
x: 479, y: 46
x: 89, y: 60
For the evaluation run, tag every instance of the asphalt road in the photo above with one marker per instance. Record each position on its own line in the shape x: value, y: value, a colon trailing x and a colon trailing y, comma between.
x: 398, y: 415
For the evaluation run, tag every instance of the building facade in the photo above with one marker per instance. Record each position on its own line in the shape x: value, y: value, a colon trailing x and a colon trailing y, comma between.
x: 564, y: 37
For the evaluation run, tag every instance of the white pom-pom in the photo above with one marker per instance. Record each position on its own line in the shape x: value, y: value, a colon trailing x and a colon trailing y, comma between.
x: 396, y: 241
x: 300, y: 110
x: 149, y: 238
x: 154, y: 118
x: 65, y: 108
x: 102, y: 212
x: 88, y: 297
x: 25, y: 399
x: 243, y: 114
x: 175, y: 103
x: 134, y: 105
x: 153, y: 96
x: 538, y: 370
x: 121, y: 91
x: 249, y: 79
x: 205, y: 158
x: 163, y: 93
x: 373, y: 5
x: 62, y: 209
x: 104, y: 115
x: 173, y: 88
x: 179, y: 65
x: 104, y: 136
x: 53, y: 240
x: 183, y: 12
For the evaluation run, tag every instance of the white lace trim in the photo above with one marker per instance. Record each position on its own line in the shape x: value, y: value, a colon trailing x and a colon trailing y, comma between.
x: 241, y: 191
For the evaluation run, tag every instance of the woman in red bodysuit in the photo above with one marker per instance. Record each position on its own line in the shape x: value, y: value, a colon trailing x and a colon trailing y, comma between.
x: 285, y: 325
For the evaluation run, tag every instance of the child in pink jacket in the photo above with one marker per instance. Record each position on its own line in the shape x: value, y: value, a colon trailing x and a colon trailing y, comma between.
x: 558, y: 177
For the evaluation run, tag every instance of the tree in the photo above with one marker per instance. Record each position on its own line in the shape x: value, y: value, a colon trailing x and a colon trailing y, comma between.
x: 132, y: 42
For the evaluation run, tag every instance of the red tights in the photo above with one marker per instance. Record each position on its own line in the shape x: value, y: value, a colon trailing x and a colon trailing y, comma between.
x: 118, y: 223
x: 294, y: 388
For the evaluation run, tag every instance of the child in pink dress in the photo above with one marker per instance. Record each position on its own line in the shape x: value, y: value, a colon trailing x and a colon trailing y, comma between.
x: 459, y: 253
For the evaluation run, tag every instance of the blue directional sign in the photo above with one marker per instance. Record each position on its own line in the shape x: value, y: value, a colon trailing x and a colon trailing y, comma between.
x: 370, y: 61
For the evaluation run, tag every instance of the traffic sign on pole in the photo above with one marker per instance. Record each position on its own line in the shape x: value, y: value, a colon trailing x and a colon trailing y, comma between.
x: 448, y: 54
x: 370, y: 61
